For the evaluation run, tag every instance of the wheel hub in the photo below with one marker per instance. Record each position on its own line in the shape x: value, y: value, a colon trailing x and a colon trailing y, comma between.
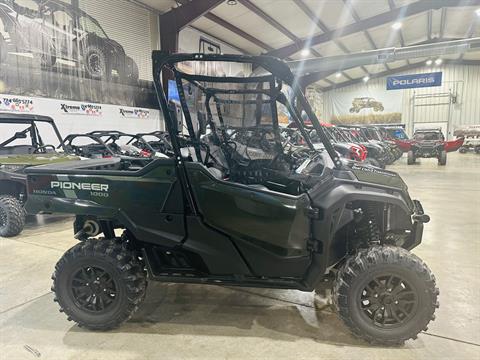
x: 93, y: 289
x: 388, y: 301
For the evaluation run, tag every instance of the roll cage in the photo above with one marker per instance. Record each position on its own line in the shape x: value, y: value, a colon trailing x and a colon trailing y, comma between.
x: 165, y: 67
x: 31, y: 129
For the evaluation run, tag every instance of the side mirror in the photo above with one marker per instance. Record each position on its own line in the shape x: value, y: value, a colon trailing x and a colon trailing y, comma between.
x: 20, y: 135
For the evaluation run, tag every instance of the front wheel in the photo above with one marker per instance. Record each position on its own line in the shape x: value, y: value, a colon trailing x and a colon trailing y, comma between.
x: 12, y: 216
x: 442, y: 158
x: 99, y: 283
x: 385, y: 295
x: 410, y: 158
x: 97, y: 65
x: 463, y: 150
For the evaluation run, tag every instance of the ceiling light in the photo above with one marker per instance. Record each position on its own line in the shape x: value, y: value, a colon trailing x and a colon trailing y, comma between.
x: 396, y: 25
x: 337, y: 75
x: 305, y: 52
x: 438, y: 61
x: 477, y: 12
x: 366, y: 78
x: 428, y: 62
x: 231, y: 2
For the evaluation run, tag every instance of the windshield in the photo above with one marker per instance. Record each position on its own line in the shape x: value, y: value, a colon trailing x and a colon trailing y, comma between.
x: 398, y: 134
x: 428, y: 136
x: 90, y: 25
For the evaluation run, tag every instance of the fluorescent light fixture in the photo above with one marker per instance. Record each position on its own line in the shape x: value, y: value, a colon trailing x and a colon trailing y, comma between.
x: 305, y: 52
x: 429, y: 62
x: 366, y: 78
x: 438, y: 61
x: 338, y: 74
x: 231, y: 2
x: 396, y: 25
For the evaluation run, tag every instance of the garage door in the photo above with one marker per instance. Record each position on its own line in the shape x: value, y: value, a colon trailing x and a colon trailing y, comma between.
x: 128, y: 24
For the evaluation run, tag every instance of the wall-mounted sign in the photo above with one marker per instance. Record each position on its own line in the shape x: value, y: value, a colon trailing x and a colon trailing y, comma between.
x: 134, y: 113
x: 12, y: 103
x: 81, y: 109
x: 414, y: 81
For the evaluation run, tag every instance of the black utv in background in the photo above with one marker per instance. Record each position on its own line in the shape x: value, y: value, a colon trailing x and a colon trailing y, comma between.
x: 226, y: 210
x: 22, y: 145
x: 53, y: 29
x: 428, y: 143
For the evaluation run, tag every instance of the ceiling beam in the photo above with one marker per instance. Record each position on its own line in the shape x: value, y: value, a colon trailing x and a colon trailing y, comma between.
x: 429, y: 24
x: 270, y: 20
x: 392, y: 6
x: 216, y: 38
x: 443, y: 20
x: 395, y: 15
x: 348, y: 4
x: 218, y: 20
x: 401, y: 69
x: 188, y: 12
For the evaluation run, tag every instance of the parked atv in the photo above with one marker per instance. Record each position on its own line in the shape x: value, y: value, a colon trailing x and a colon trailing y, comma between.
x: 222, y: 213
x: 471, y: 136
x: 52, y: 30
x: 376, y: 154
x: 430, y: 143
x: 22, y: 145
x: 366, y: 103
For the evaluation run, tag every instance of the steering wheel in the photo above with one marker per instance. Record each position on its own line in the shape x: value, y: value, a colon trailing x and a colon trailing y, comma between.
x: 43, y: 149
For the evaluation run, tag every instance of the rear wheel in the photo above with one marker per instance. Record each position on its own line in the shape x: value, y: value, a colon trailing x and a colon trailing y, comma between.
x: 410, y: 158
x: 442, y: 158
x: 477, y: 149
x: 12, y: 216
x: 99, y: 283
x: 463, y: 150
x: 385, y: 294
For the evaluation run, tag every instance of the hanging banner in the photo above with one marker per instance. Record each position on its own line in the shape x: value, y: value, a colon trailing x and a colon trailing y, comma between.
x: 55, y: 50
x: 414, y: 81
x: 366, y: 105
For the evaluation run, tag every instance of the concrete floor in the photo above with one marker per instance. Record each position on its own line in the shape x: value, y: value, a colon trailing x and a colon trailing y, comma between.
x: 209, y: 322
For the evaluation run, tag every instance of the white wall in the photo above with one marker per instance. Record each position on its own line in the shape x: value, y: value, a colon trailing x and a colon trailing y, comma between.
x: 108, y: 117
x: 462, y: 80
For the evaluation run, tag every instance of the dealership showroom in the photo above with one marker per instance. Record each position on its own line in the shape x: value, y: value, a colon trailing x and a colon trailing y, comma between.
x: 240, y: 179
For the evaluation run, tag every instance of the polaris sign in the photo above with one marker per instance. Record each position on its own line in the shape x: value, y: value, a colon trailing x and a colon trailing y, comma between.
x: 414, y: 81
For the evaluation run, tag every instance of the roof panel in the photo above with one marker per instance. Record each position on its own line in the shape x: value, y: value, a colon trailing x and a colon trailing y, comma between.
x: 221, y: 33
x: 397, y: 64
x: 472, y: 55
x: 251, y: 23
x: 415, y: 29
x: 357, y: 42
x: 334, y: 14
x: 329, y: 49
x: 289, y: 15
x: 459, y: 22
x: 384, y: 36
x: 355, y: 73
x: 369, y: 8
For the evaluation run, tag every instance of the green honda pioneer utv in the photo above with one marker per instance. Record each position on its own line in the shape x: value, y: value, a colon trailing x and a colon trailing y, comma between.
x: 22, y: 145
x: 238, y: 204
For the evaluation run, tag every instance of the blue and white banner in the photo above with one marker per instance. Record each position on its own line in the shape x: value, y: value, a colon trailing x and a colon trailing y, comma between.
x: 414, y: 81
